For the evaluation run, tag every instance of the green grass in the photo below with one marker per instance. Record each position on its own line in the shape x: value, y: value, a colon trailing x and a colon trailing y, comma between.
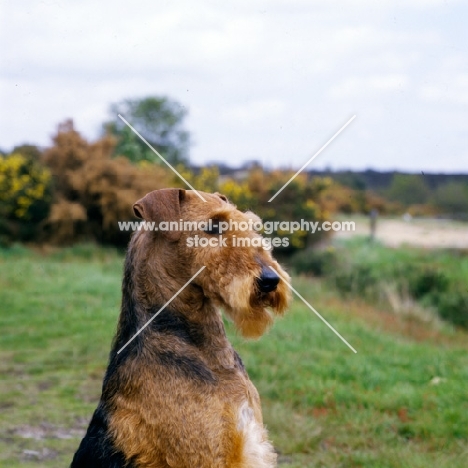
x: 400, y: 402
x: 408, y: 280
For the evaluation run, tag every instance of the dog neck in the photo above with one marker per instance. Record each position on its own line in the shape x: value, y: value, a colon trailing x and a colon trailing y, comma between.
x: 190, y: 319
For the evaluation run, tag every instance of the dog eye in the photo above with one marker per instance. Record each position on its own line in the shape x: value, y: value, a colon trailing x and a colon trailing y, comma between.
x: 213, y: 227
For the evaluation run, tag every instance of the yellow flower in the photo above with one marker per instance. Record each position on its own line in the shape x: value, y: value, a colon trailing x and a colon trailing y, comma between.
x: 22, y: 183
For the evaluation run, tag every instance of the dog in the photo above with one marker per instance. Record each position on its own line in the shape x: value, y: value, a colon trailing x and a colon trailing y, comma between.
x: 176, y: 393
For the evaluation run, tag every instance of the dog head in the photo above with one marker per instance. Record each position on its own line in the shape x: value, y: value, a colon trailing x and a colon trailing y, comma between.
x: 198, y: 229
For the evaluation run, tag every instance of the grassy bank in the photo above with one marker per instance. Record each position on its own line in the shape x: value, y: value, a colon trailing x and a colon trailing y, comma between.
x: 400, y: 402
x: 429, y: 284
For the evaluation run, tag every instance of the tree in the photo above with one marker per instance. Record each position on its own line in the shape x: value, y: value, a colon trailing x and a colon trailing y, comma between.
x: 408, y: 189
x: 452, y: 197
x: 29, y: 151
x: 159, y: 120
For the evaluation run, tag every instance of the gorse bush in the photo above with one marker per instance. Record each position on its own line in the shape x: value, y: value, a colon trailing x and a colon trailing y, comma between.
x: 25, y: 197
x: 300, y: 200
x: 25, y: 189
x: 93, y: 190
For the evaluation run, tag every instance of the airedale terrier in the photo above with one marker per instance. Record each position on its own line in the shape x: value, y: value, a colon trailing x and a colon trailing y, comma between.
x: 178, y: 395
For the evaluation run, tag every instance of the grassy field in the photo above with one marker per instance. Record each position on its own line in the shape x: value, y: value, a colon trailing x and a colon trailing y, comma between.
x: 429, y: 284
x: 401, y: 401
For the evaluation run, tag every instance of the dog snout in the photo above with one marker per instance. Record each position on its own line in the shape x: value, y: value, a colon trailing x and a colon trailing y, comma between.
x: 268, y: 280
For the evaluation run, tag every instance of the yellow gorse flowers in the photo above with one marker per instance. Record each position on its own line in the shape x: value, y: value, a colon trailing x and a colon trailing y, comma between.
x: 251, y: 188
x: 22, y: 183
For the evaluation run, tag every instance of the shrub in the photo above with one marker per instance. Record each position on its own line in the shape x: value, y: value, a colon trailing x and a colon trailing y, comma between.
x: 357, y: 278
x: 93, y: 190
x: 25, y: 197
x: 66, y: 223
x: 370, y: 271
x: 206, y: 180
x: 253, y: 190
x: 24, y: 189
x: 426, y: 279
x: 452, y: 306
x: 317, y: 262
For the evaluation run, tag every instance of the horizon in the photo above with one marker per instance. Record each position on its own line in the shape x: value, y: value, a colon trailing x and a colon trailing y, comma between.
x: 244, y: 165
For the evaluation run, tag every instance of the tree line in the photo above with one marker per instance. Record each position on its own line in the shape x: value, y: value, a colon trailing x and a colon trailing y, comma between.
x: 77, y: 190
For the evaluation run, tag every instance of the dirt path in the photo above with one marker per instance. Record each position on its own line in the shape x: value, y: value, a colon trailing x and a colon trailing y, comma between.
x: 429, y: 233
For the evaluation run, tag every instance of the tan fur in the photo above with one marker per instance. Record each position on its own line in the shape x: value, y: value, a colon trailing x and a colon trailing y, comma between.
x: 160, y: 418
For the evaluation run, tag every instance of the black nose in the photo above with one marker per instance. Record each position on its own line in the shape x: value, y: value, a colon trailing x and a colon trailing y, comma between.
x: 268, y: 280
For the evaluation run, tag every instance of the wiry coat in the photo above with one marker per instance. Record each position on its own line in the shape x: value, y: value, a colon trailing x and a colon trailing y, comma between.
x: 178, y: 395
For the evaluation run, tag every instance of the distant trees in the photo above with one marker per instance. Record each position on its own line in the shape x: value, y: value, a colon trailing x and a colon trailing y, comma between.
x: 452, y: 198
x: 411, y: 191
x: 159, y: 120
x: 29, y: 151
x: 408, y: 189
x: 76, y: 189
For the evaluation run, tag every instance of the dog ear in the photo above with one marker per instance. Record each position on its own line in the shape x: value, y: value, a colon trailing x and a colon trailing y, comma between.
x: 161, y: 205
x: 220, y: 195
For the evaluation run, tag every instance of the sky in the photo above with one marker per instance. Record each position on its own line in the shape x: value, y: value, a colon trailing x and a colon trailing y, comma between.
x: 262, y: 80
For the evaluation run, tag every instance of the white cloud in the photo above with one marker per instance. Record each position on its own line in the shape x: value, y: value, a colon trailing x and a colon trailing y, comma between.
x: 253, y: 112
x: 266, y: 77
x: 371, y: 86
x: 446, y: 89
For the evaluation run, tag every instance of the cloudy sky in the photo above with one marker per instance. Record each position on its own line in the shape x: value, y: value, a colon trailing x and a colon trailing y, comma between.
x: 266, y: 80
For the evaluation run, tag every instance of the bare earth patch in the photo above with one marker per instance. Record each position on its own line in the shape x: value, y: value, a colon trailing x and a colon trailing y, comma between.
x: 46, y: 431
x: 427, y: 233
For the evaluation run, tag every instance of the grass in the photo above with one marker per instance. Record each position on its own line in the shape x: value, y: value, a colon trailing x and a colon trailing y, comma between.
x: 431, y: 284
x: 400, y: 402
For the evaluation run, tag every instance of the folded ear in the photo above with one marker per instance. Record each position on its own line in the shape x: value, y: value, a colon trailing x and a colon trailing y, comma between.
x: 220, y: 195
x: 161, y: 205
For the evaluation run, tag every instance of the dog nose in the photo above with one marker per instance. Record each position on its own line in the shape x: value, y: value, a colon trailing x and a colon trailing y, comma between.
x: 268, y: 280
